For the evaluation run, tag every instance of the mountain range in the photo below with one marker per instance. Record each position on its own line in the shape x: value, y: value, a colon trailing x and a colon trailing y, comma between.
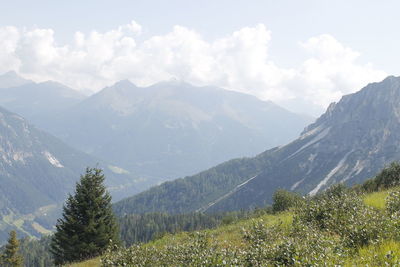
x: 157, y: 132
x: 164, y: 131
x: 349, y: 143
x: 39, y: 102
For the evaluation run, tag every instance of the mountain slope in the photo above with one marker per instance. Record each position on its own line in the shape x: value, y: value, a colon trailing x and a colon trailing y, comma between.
x: 39, y: 101
x: 352, y: 141
x: 173, y: 129
x: 12, y: 79
x: 37, y: 171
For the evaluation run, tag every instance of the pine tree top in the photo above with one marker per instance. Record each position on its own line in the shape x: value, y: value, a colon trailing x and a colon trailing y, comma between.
x: 11, y: 257
x: 88, y: 223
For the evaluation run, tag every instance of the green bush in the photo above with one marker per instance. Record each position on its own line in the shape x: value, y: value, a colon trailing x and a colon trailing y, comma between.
x: 198, y: 251
x: 387, y: 178
x: 393, y: 202
x: 326, y: 231
x: 284, y: 200
x: 298, y: 246
x: 393, y: 210
x: 343, y: 213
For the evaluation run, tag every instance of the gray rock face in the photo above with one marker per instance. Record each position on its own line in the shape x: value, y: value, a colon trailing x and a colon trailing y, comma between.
x: 350, y: 143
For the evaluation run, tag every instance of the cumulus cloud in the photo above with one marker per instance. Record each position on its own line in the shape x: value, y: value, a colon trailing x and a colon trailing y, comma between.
x: 333, y: 70
x: 239, y: 61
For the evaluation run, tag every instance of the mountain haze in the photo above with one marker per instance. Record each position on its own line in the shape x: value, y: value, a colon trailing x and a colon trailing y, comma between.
x: 37, y: 171
x: 349, y: 143
x: 38, y: 102
x: 173, y: 129
x: 12, y: 79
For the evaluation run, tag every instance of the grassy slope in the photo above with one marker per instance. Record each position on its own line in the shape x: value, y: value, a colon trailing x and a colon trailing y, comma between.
x: 232, y: 234
x: 90, y: 263
x: 376, y: 253
x: 377, y: 199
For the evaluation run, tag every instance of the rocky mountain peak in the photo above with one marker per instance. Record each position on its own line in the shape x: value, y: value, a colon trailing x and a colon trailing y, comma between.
x: 377, y: 102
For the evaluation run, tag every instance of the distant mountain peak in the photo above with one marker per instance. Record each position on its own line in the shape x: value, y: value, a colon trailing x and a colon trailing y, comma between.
x: 52, y: 83
x: 34, y: 100
x: 174, y: 82
x: 124, y: 83
x: 12, y: 79
x: 173, y: 128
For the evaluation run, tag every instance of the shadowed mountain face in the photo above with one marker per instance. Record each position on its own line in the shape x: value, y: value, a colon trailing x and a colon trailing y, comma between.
x: 351, y: 142
x: 173, y: 129
x: 37, y: 171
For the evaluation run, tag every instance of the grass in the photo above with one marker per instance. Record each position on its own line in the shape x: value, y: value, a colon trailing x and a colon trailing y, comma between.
x: 89, y: 263
x: 231, y: 233
x: 225, y: 234
x: 386, y: 253
x: 378, y: 199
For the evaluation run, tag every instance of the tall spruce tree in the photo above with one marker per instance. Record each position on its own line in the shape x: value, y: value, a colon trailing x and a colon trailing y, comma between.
x: 11, y: 256
x: 87, y: 224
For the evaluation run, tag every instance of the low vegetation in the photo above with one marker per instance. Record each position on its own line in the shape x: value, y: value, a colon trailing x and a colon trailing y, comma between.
x: 343, y: 226
x: 142, y: 228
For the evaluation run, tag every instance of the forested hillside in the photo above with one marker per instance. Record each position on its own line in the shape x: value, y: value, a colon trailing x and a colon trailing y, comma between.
x: 193, y: 193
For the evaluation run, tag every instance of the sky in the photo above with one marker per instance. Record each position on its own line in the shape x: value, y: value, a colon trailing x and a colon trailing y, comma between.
x: 302, y: 55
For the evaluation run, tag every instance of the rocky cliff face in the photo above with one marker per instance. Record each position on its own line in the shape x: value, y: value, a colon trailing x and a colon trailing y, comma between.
x: 351, y: 142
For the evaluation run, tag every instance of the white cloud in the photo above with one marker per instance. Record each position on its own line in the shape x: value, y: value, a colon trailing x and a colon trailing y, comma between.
x: 239, y: 61
x: 332, y: 71
x: 9, y: 37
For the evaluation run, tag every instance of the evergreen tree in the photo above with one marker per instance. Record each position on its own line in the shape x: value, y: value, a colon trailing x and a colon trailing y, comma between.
x: 88, y: 223
x: 11, y: 256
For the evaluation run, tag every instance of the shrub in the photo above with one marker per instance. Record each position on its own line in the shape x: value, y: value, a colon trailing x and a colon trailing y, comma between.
x: 387, y: 178
x: 343, y: 213
x: 284, y: 200
x: 196, y: 252
x: 299, y: 246
x: 393, y: 210
x: 393, y: 202
x: 326, y: 230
